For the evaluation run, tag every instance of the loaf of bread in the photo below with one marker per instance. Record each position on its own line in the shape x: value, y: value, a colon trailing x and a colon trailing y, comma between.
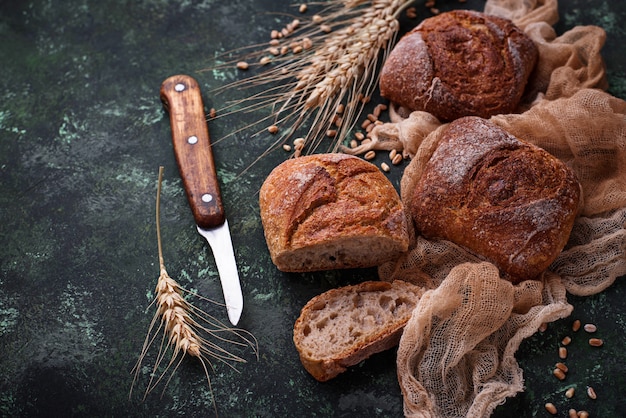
x: 344, y: 326
x: 504, y: 199
x: 331, y: 211
x: 460, y: 63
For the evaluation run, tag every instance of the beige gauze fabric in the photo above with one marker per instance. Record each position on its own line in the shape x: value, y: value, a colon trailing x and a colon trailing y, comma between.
x: 456, y: 357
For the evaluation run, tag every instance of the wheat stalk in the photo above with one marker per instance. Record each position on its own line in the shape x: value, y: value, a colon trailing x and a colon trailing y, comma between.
x: 185, y: 328
x: 332, y: 64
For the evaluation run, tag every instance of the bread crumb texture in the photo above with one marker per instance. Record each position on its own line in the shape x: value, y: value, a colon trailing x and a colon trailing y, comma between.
x: 343, y: 326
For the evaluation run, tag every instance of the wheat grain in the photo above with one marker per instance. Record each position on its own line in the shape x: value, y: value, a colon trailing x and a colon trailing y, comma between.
x: 186, y: 329
x: 336, y: 68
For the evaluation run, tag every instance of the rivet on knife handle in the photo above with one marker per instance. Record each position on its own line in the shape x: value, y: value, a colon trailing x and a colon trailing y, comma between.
x: 192, y: 146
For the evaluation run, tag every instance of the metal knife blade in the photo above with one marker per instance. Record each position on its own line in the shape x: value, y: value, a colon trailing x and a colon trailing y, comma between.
x: 192, y: 146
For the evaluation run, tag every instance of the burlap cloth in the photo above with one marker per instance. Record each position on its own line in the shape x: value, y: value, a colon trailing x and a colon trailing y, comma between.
x: 456, y: 357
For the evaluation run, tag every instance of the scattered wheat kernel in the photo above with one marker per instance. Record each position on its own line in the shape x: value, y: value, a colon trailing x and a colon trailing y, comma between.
x: 385, y: 167
x: 590, y: 328
x: 274, y: 42
x: 298, y: 142
x: 392, y: 153
x: 331, y: 133
x: 354, y: 143
x: 287, y: 147
x: 212, y: 112
x: 317, y: 19
x: 340, y: 108
x: 285, y: 32
x: 265, y: 60
x: 543, y: 327
x: 397, y: 159
x: 272, y: 129
x: 369, y: 155
x: 297, y: 153
x: 303, y: 8
x: 562, y: 366
x: 274, y: 51
x: 430, y: 3
x: 242, y: 65
x: 379, y: 109
x: 297, y: 49
x: 434, y: 11
x: 551, y: 408
x: 562, y: 352
x: 369, y: 127
x: 595, y: 342
x: 566, y: 340
x: 558, y: 373
x: 284, y: 49
x: 583, y: 414
x: 591, y: 393
x: 372, y: 117
x: 307, y: 43
x: 366, y: 99
x: 569, y: 393
x: 274, y: 34
x: 366, y: 123
x: 572, y: 413
x: 411, y: 13
x: 366, y: 141
x: 326, y: 28
x: 359, y: 136
x: 295, y: 24
x: 576, y: 325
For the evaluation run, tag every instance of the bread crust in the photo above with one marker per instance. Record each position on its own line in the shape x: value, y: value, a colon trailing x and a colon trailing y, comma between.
x: 344, y: 326
x: 331, y: 211
x: 460, y: 63
x: 498, y: 196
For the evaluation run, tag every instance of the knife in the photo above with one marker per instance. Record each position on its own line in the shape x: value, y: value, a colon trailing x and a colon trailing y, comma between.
x: 181, y: 97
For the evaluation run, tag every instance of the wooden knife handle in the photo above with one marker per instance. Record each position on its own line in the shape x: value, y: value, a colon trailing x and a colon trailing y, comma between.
x: 192, y: 146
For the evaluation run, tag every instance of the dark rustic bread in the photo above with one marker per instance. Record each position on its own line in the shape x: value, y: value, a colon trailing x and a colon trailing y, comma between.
x: 331, y: 211
x: 344, y: 326
x: 502, y: 198
x: 460, y: 63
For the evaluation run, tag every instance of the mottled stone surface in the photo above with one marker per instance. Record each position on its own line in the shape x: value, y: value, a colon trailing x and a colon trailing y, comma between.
x: 82, y: 134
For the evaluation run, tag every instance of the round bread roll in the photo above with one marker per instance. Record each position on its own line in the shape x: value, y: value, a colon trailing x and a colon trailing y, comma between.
x: 460, y: 63
x: 331, y: 211
x: 504, y: 199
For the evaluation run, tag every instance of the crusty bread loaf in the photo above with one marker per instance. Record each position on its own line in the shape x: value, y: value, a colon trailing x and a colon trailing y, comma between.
x: 460, y: 63
x: 344, y: 326
x: 498, y: 196
x: 331, y: 211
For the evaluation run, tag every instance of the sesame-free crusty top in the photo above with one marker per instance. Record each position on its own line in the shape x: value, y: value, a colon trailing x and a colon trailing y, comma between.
x: 498, y: 196
x: 460, y: 63
x: 331, y: 211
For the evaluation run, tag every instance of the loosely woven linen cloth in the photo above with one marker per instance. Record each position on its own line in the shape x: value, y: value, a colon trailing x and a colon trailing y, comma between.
x: 456, y: 357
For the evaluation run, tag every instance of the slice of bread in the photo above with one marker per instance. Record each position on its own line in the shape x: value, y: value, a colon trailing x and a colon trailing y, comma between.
x: 344, y: 326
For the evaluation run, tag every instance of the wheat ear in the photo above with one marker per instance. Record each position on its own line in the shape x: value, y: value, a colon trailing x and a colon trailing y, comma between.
x: 186, y: 329
x: 321, y: 66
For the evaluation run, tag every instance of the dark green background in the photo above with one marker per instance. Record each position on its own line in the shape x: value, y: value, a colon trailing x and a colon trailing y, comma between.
x: 82, y: 134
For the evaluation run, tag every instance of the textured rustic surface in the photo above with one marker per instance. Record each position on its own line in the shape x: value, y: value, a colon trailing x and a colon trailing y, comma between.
x: 460, y: 64
x: 507, y: 200
x: 82, y: 133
